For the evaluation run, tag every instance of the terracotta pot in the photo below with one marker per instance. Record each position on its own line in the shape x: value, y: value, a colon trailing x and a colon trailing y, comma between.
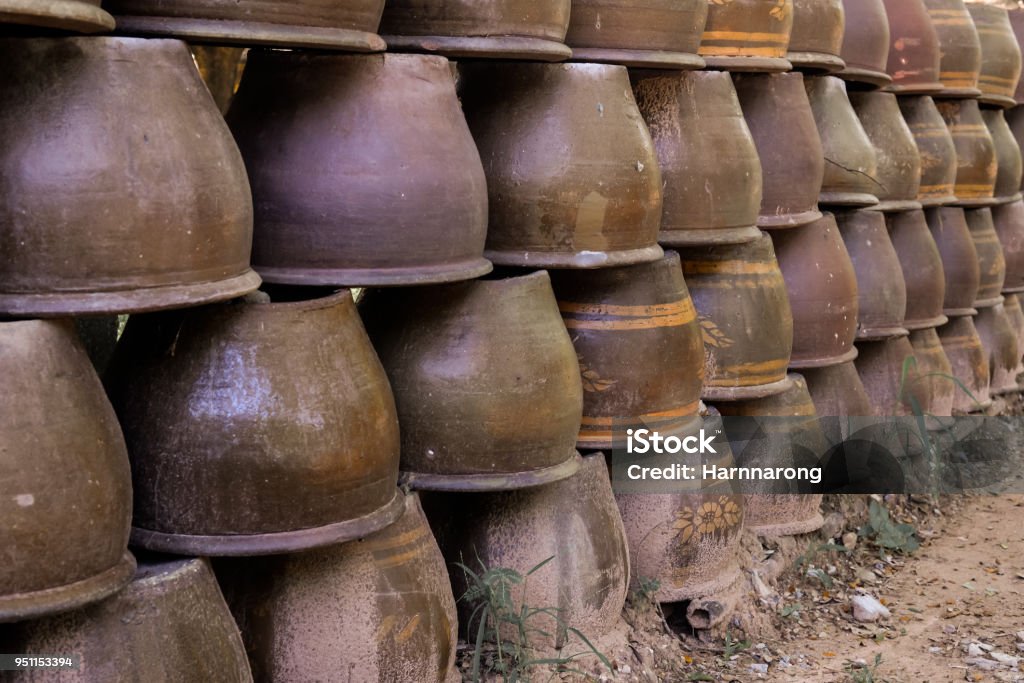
x: 991, y: 262
x: 837, y: 391
x: 1016, y: 315
x: 748, y: 35
x: 744, y: 314
x: 1016, y: 16
x: 1000, y: 54
x: 935, y: 148
x: 999, y: 339
x: 967, y: 356
x: 976, y: 155
x: 571, y: 169
x: 898, y: 170
x: 779, y: 115
x: 660, y: 34
x: 893, y: 378
x: 125, y: 191
x: 850, y: 164
x: 921, y: 264
x: 322, y: 24
x: 82, y: 16
x: 221, y: 69
x: 504, y: 29
x: 865, y: 43
x: 913, y: 49
x: 234, y: 412
x: 935, y: 371
x: 1008, y: 156
x: 380, y: 607
x: 949, y: 229
x: 1015, y: 119
x: 822, y: 288
x: 709, y: 164
x: 574, y: 524
x: 170, y: 623
x: 882, y: 292
x: 817, y: 36
x: 959, y: 47
x: 343, y: 153
x: 1008, y: 220
x: 779, y: 514
x: 485, y: 379
x: 64, y: 469
x: 621, y: 321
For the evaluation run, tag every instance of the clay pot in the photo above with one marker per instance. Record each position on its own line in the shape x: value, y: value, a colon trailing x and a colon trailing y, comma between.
x: 1008, y: 156
x: 573, y: 524
x: 898, y: 171
x: 837, y: 391
x: 882, y: 292
x: 504, y: 29
x: 125, y: 191
x: 660, y: 34
x: 232, y: 413
x: 1008, y: 220
x: 850, y: 164
x: 865, y: 43
x: 709, y: 165
x: 914, y: 53
x: 893, y: 378
x: 323, y: 24
x: 935, y: 371
x: 1000, y: 342
x: 1000, y: 54
x: 817, y: 36
x: 571, y: 169
x: 344, y: 155
x: 959, y: 47
x: 169, y: 624
x: 81, y: 16
x: 621, y: 321
x: 935, y: 148
x: 967, y: 356
x: 822, y: 288
x: 380, y: 607
x: 485, y: 380
x: 779, y: 115
x: 921, y: 264
x: 976, y: 155
x: 1016, y: 315
x: 748, y: 35
x: 1016, y: 16
x: 1015, y: 120
x: 64, y: 481
x: 991, y: 262
x: 774, y: 514
x: 948, y: 226
x: 744, y: 313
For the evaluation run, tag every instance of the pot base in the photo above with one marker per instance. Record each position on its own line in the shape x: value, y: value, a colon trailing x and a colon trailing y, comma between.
x: 67, y: 15
x: 915, y: 325
x: 990, y: 302
x: 933, y: 202
x: 697, y: 238
x: 975, y: 202
x: 816, y: 62
x: 881, y: 333
x: 377, y: 277
x: 855, y: 199
x: 788, y: 220
x: 745, y: 393
x: 22, y: 606
x: 935, y: 88
x: 499, y: 47
x: 805, y: 526
x: 959, y: 312
x: 278, y: 543
x: 896, y: 205
x: 649, y: 59
x: 878, y: 79
x: 585, y: 260
x: 961, y: 93
x: 798, y: 364
x: 749, y: 64
x: 499, y: 481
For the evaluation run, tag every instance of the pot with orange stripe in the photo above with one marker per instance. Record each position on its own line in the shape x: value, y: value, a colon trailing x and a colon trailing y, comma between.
x: 817, y: 36
x: 1008, y: 157
x: 960, y: 49
x: 913, y: 49
x: 960, y: 268
x: 934, y: 147
x: 1016, y: 16
x: 977, y: 165
x: 865, y: 50
x: 639, y: 349
x: 748, y: 35
x: 969, y: 361
x: 921, y: 264
x: 898, y: 163
x: 1009, y: 224
x: 991, y: 262
x: 1000, y: 53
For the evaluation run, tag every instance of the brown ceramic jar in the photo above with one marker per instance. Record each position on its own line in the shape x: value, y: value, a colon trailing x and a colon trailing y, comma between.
x: 948, y: 226
x: 959, y: 47
x: 892, y: 377
x: 80, y: 16
x: 1000, y: 54
x: 921, y: 264
x: 991, y: 262
x: 935, y: 370
x: 970, y: 364
x: 898, y: 172
x: 1008, y: 220
x: 881, y: 289
x: 977, y: 165
x: 748, y: 35
x: 935, y: 148
x: 914, y: 53
x: 837, y: 391
x: 999, y: 340
x: 1008, y: 157
x: 817, y: 36
x: 865, y: 43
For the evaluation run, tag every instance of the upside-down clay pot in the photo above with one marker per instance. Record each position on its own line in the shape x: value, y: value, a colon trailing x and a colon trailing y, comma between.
x: 935, y: 148
x: 1016, y: 16
x: 850, y: 163
x: 171, y: 623
x: 781, y: 122
x: 747, y: 35
x: 921, y: 264
x: 970, y: 364
x: 817, y: 36
x: 977, y: 165
x: 1016, y: 315
x: 740, y: 296
x: 380, y: 607
x: 898, y: 171
x: 709, y: 164
x: 343, y: 154
x: 948, y: 226
x: 882, y: 292
x: 81, y: 16
x: 1000, y: 54
x: 999, y: 339
x: 991, y: 262
x: 485, y: 379
x: 1008, y: 220
x: 320, y: 24
x: 892, y: 377
x: 1008, y: 156
x: 914, y: 54
x: 959, y: 47
x: 124, y: 191
x: 935, y: 371
x: 503, y: 29
x: 865, y: 49
x: 822, y: 288
x: 574, y: 525
x: 658, y: 34
x: 1015, y: 120
x: 837, y: 391
x: 255, y: 427
x: 65, y: 488
x: 572, y: 173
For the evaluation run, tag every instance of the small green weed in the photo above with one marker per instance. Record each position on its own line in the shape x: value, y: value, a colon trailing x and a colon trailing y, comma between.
x: 886, y: 534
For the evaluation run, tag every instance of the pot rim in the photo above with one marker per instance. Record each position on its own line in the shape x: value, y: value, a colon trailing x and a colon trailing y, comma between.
x: 852, y: 199
x: 492, y: 481
x: 748, y: 64
x: 1001, y: 101
x: 936, y: 202
x: 734, y: 393
x: 650, y: 59
x: 975, y: 202
x: 858, y: 74
x: 934, y: 88
x: 317, y: 303
x: 824, y: 361
x: 816, y: 62
x: 989, y: 302
x: 583, y: 260
x: 701, y: 237
x: 896, y: 206
x: 466, y: 269
x: 70, y: 15
x: 881, y: 333
x: 960, y: 93
x: 494, y: 47
x: 784, y: 221
x: 803, y: 526
x: 953, y: 313
x: 925, y: 323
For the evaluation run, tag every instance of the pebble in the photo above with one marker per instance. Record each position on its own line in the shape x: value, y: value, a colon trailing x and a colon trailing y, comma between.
x: 759, y: 668
x: 868, y: 609
x: 850, y: 540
